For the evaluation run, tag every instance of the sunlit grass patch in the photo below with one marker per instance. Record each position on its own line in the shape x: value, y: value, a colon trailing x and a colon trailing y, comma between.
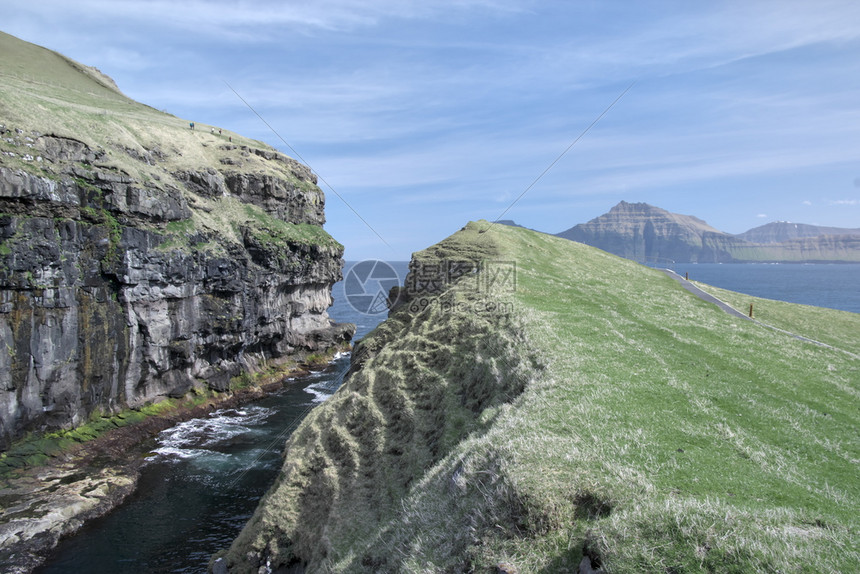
x: 653, y: 432
x: 838, y: 328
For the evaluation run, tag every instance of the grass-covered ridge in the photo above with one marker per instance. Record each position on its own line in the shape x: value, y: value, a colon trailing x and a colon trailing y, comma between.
x: 46, y: 92
x: 46, y: 96
x: 653, y: 433
x: 720, y: 445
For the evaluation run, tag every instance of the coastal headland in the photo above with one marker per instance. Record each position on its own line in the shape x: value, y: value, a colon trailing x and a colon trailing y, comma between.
x: 150, y: 267
x: 533, y: 404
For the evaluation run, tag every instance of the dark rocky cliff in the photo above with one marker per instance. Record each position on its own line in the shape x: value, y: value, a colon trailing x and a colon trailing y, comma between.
x: 140, y: 259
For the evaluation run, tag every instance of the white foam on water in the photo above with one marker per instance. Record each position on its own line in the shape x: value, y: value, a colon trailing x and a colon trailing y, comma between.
x: 320, y: 391
x: 318, y: 395
x: 191, y: 438
x: 171, y: 452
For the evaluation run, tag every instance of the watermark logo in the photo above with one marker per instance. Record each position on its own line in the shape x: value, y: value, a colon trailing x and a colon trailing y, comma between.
x: 426, y: 280
x: 367, y: 284
x: 499, y: 276
x: 434, y: 277
x: 449, y: 305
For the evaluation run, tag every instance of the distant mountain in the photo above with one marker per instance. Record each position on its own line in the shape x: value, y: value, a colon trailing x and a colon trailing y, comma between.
x: 649, y: 234
x: 646, y: 233
x: 780, y: 231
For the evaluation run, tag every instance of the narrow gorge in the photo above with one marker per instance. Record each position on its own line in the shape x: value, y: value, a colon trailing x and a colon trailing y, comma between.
x: 141, y: 259
x: 531, y: 404
x: 145, y: 260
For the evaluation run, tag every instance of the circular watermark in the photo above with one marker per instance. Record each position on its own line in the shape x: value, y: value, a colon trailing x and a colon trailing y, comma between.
x: 366, y: 286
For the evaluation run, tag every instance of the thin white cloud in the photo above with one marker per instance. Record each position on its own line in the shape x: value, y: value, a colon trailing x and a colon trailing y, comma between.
x: 464, y: 103
x: 257, y: 20
x: 681, y: 41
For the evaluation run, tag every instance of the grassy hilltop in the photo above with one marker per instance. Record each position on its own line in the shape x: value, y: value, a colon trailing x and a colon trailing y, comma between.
x: 598, y: 410
x: 45, y: 93
x: 141, y: 259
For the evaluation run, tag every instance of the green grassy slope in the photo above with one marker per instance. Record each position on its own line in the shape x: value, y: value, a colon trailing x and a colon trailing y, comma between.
x: 718, y: 444
x: 653, y: 433
x: 837, y: 328
x: 49, y: 93
x: 45, y: 93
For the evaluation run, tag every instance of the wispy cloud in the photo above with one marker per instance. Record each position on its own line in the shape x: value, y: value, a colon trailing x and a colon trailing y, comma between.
x: 258, y: 20
x: 433, y: 111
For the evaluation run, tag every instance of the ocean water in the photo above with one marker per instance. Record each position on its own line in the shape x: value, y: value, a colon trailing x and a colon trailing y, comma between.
x: 836, y: 286
x: 351, y: 294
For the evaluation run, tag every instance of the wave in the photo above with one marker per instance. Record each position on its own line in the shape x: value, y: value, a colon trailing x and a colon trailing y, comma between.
x: 197, y: 437
x: 171, y: 452
x: 322, y: 390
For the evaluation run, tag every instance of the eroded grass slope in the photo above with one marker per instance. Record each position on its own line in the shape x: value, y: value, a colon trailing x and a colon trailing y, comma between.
x: 428, y: 379
x: 653, y: 433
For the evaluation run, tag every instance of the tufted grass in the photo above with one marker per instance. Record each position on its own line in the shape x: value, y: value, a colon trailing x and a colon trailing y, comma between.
x: 718, y: 444
x: 653, y: 433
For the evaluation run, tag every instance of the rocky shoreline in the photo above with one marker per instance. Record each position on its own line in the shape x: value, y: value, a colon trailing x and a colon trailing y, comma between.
x: 43, y: 504
x: 140, y: 262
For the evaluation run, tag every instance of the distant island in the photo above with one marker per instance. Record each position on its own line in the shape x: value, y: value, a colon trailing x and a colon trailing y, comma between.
x: 649, y: 234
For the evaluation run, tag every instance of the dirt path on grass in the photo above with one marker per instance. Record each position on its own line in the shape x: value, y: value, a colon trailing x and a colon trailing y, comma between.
x: 705, y: 296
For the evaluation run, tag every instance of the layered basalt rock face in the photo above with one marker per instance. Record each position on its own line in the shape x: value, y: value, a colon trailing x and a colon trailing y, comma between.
x: 648, y: 234
x: 140, y: 259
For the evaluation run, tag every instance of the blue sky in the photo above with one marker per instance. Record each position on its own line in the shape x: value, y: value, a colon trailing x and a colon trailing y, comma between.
x: 425, y: 115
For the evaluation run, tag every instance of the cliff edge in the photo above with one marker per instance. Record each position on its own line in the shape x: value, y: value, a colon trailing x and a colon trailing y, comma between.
x: 141, y: 258
x: 536, y: 405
